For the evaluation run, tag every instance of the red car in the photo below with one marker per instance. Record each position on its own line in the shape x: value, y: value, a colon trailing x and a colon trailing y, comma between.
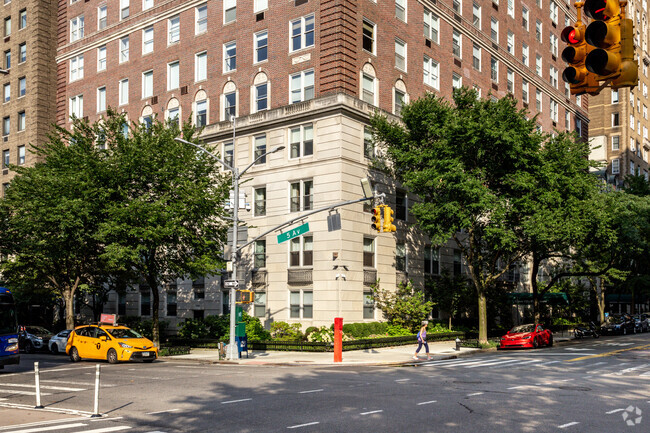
x: 527, y: 336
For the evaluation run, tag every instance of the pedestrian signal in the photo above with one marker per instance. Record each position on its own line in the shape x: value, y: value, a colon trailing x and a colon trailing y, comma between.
x: 244, y: 297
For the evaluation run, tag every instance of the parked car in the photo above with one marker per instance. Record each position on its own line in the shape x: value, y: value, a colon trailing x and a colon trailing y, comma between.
x: 58, y: 342
x: 112, y: 343
x: 618, y: 325
x: 31, y: 338
x: 530, y: 335
x: 641, y: 322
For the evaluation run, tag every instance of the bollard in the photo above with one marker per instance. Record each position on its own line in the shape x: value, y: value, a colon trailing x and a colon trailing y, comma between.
x: 96, y: 413
x: 338, y: 339
x: 457, y: 343
x: 38, y: 387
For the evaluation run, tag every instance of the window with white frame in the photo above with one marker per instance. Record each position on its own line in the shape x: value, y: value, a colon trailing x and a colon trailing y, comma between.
x: 147, y: 84
x: 261, y: 41
x: 431, y: 260
x: 553, y: 11
x: 553, y: 106
x: 259, y: 301
x: 173, y: 115
x: 494, y: 69
x: 260, y: 5
x: 230, y: 104
x: 368, y: 88
x: 456, y: 81
x: 431, y: 26
x: 431, y: 72
x: 174, y: 30
x: 22, y: 86
x: 615, y: 119
x: 76, y: 106
x: 6, y: 130
x: 146, y: 4
x: 510, y: 43
x: 632, y: 171
x: 22, y: 19
x: 456, y: 43
x: 400, y: 9
x: 399, y: 99
x: 302, y: 32
x: 147, y: 40
x: 538, y: 65
x: 7, y: 92
x: 368, y: 36
x: 553, y: 74
x: 101, y: 17
x: 616, y: 144
x: 229, y: 11
x: 301, y: 309
x: 173, y: 75
x: 400, y: 54
x: 301, y: 251
x: 7, y: 26
x: 538, y: 30
x: 101, y: 99
x: 201, y: 116
x: 230, y: 56
x: 524, y: 91
x: 476, y: 15
x: 400, y: 257
x: 368, y: 252
x: 259, y: 143
x: 21, y: 155
x: 124, y: 49
x: 259, y: 205
x: 524, y: 54
x: 76, y: 28
x: 553, y: 44
x: 124, y: 91
x: 301, y: 140
x: 302, y: 86
x: 101, y: 58
x: 301, y: 196
x: 201, y: 17
x: 510, y: 80
x: 616, y: 166
x: 632, y: 121
x: 524, y: 17
x: 368, y: 304
x: 494, y: 29
x: 457, y: 5
x: 614, y: 96
x: 21, y: 121
x: 201, y: 66
x: 229, y: 153
x: 124, y: 9
x: 511, y: 8
x: 261, y: 95
x: 538, y: 100
x: 77, y: 67
x: 476, y: 57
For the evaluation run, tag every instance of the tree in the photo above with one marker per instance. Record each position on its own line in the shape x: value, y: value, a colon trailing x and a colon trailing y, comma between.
x: 450, y: 293
x: 165, y: 218
x: 50, y: 214
x: 471, y: 164
x: 405, y: 307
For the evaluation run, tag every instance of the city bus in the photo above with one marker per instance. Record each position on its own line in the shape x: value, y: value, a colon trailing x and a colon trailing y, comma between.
x: 8, y: 329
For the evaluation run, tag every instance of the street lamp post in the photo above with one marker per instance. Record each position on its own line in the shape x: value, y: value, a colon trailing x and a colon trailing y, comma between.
x: 234, y: 253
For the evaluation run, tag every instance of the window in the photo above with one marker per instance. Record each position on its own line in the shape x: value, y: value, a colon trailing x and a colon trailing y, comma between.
x: 494, y: 29
x: 476, y: 57
x: 510, y: 80
x: 5, y: 159
x: 22, y: 86
x: 368, y: 145
x: 524, y: 17
x: 431, y: 260
x: 77, y: 106
x: 553, y: 42
x: 147, y: 4
x: 8, y: 59
x: 260, y: 149
x: 524, y: 54
x: 173, y: 115
x: 400, y: 9
x: 632, y: 168
x: 476, y: 15
x: 400, y: 54
x: 457, y: 5
x: 229, y: 56
x: 172, y: 296
x: 261, y: 97
x: 230, y: 104
x: 229, y: 11
x: 198, y: 288
x: 260, y: 254
x: 76, y: 28
x: 201, y: 66
x: 21, y: 155
x: 511, y: 43
x: 301, y: 139
x: 524, y: 91
x: 7, y: 92
x: 301, y: 196
x: 261, y: 41
x: 553, y: 76
x: 124, y: 9
x: 538, y: 30
x: 306, y: 307
x: 101, y: 17
x: 553, y: 106
x: 431, y: 26
x: 260, y: 5
x: 431, y: 73
x: 302, y: 86
x: 616, y: 166
x: 259, y: 206
x: 553, y: 11
x: 147, y: 84
x: 301, y: 251
x: 22, y: 52
x: 368, y: 37
x: 228, y: 153
x: 615, y: 119
x: 7, y: 26
x: 201, y: 113
x: 401, y: 205
x: 124, y: 91
x: 400, y: 257
x: 145, y: 301
x: 538, y: 64
x: 21, y: 121
x: 201, y: 16
x: 124, y: 49
x: 614, y: 96
x: 174, y: 30
x: 615, y: 142
x: 511, y: 8
x: 101, y: 99
x: 399, y: 97
x: 173, y: 76
x: 259, y: 304
x: 302, y: 33
x: 456, y: 43
x: 368, y: 305
x: 368, y: 252
x: 368, y: 90
x: 458, y: 268
x: 147, y: 40
x: 494, y: 69
x: 101, y: 58
x: 22, y: 19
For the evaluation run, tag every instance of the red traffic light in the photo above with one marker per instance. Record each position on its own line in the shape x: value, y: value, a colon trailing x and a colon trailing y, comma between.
x: 595, y: 9
x: 376, y: 218
x: 570, y: 35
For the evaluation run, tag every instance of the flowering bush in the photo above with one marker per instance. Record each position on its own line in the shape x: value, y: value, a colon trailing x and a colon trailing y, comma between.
x: 285, y: 332
x: 325, y: 335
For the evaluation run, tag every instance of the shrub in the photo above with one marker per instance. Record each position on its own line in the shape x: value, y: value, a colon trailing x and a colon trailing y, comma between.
x: 397, y: 331
x: 285, y: 332
x: 194, y: 328
x: 325, y: 334
x: 144, y: 326
x: 254, y: 328
x: 312, y: 329
x: 218, y: 326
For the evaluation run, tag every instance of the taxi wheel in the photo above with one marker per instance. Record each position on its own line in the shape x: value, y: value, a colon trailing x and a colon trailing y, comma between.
x: 74, y: 355
x: 54, y: 349
x: 111, y: 356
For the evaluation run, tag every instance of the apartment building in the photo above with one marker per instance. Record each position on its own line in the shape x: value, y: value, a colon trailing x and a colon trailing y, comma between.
x: 619, y: 118
x: 28, y: 80
x: 306, y: 75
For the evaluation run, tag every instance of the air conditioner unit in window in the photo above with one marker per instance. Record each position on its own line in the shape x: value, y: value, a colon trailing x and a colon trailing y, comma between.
x: 154, y: 100
x: 184, y: 90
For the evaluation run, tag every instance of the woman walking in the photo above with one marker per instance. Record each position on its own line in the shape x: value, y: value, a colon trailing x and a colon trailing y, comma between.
x: 422, y: 340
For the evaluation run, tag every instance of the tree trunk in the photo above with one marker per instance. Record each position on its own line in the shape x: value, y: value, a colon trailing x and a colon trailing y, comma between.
x: 155, y: 301
x: 482, y: 317
x: 533, y: 285
x: 450, y: 322
x: 68, y: 299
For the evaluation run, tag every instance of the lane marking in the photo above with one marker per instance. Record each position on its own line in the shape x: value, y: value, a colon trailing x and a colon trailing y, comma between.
x: 76, y: 383
x: 236, y: 401
x: 614, y: 352
x: 517, y: 365
x: 551, y: 362
x: 517, y: 387
x: 627, y: 370
x: 33, y: 424
x: 507, y: 361
x: 41, y: 429
x: 435, y: 401
x: 56, y: 388
x: 108, y: 429
x: 568, y: 424
x: 162, y: 411
x: 614, y: 411
x: 311, y: 390
x: 304, y: 425
x: 402, y: 380
x: 475, y: 393
x: 11, y: 391
x: 371, y: 412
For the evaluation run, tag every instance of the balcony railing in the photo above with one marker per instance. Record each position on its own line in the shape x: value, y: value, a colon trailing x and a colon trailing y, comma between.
x: 369, y: 277
x: 300, y: 276
x: 259, y: 277
x: 401, y: 277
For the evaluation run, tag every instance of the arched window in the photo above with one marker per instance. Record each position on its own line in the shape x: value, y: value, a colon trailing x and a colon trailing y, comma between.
x: 400, y: 96
x: 229, y: 99
x: 173, y: 112
x: 260, y: 93
x: 369, y: 84
x: 200, y: 108
x: 146, y: 116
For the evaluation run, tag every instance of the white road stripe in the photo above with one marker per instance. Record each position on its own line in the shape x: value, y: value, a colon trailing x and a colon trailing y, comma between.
x: 104, y: 385
x: 108, y: 429
x: 517, y: 387
x: 371, y: 412
x: 448, y: 361
x: 33, y: 424
x: 517, y: 365
x: 627, y: 370
x: 236, y: 401
x: 56, y: 388
x: 12, y: 391
x: 304, y: 425
x: 568, y: 424
x: 401, y: 380
x: 162, y: 411
x: 311, y: 390
x: 435, y: 401
x: 551, y: 362
x: 475, y: 393
x: 614, y: 411
x: 485, y: 364
x: 42, y: 429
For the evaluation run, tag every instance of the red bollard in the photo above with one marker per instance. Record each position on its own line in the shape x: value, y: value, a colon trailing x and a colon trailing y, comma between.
x: 338, y: 339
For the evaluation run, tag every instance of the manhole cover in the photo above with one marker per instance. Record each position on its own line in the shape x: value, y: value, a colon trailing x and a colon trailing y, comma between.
x: 575, y: 388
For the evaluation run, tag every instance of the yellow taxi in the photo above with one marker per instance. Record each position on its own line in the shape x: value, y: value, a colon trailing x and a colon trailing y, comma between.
x: 113, y: 343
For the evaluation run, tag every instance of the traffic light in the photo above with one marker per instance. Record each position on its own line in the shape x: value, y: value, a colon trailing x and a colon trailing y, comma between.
x: 576, y: 74
x: 388, y: 219
x: 376, y: 219
x: 629, y: 67
x: 244, y: 297
x: 604, y: 34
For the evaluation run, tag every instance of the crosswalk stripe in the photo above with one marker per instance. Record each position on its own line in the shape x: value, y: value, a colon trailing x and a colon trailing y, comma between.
x: 107, y: 429
x: 485, y: 364
x: 17, y: 392
x: 517, y: 365
x: 42, y: 429
x: 56, y: 388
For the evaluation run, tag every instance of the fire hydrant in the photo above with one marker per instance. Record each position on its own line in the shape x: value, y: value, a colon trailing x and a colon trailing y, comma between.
x: 457, y: 343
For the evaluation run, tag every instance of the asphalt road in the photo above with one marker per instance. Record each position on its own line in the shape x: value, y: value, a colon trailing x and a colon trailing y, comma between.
x: 583, y: 386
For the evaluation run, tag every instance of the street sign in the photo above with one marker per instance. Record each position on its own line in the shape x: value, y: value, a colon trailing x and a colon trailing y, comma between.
x: 293, y: 233
x: 231, y: 284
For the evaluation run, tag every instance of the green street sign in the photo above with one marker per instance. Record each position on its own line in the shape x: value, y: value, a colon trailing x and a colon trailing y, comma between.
x: 293, y: 233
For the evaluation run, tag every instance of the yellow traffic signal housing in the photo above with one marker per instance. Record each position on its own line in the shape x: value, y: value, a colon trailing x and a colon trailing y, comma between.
x: 376, y: 219
x: 576, y: 74
x: 388, y: 219
x: 244, y: 297
x: 629, y: 67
